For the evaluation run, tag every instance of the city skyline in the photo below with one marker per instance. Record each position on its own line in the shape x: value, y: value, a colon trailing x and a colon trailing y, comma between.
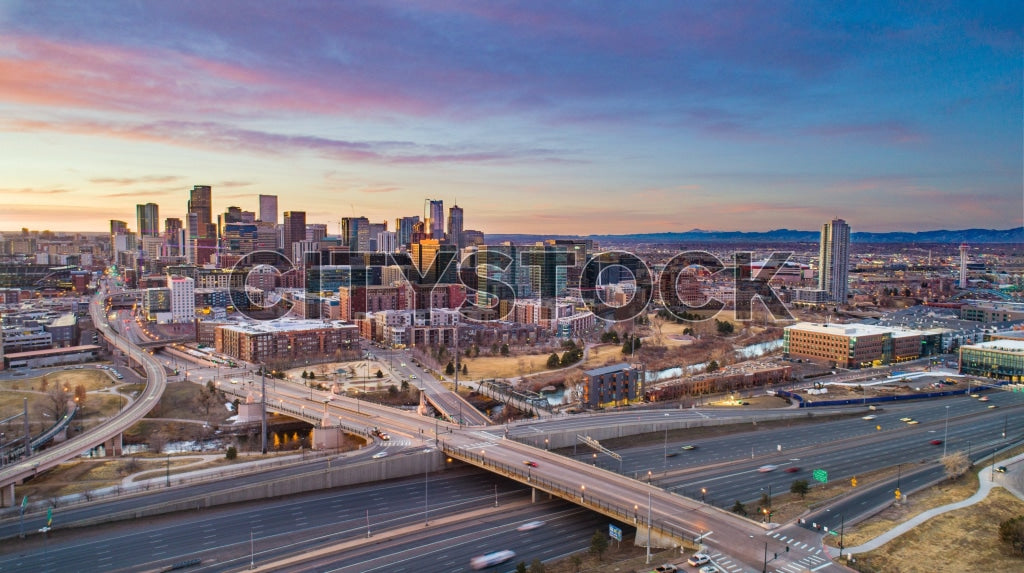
x: 536, y: 118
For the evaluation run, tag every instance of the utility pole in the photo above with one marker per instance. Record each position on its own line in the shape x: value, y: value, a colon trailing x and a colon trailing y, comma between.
x: 649, y: 527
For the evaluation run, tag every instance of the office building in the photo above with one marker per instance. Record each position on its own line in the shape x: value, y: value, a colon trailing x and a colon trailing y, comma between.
x: 436, y: 219
x: 852, y: 345
x: 294, y: 231
x: 404, y: 229
x: 355, y: 233
x: 1000, y: 359
x: 834, y: 259
x: 285, y: 340
x: 455, y: 226
x: 268, y: 209
x: 200, y: 203
x: 148, y: 217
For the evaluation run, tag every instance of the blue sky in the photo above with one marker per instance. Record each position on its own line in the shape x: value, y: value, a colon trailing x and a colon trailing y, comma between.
x: 537, y: 117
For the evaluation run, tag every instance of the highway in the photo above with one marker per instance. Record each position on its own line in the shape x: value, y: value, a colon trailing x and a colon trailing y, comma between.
x: 55, y: 455
x: 964, y: 424
x: 302, y: 524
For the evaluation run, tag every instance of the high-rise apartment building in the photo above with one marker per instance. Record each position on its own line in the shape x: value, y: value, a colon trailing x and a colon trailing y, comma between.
x: 294, y: 231
x: 268, y: 208
x: 834, y: 259
x: 455, y: 226
x: 436, y: 219
x: 183, y: 298
x: 200, y: 202
x: 148, y: 217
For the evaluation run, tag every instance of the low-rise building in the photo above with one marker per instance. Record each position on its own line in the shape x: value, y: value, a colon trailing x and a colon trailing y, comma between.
x: 614, y: 385
x: 285, y: 339
x: 1000, y: 359
x: 852, y: 345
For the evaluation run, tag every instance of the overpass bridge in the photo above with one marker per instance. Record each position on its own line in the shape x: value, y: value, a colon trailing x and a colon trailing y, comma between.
x: 155, y: 344
x: 110, y: 432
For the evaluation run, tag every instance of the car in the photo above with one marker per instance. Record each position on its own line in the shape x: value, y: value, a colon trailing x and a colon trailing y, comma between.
x: 530, y: 463
x: 412, y: 376
x: 1001, y: 469
x: 688, y: 447
x: 905, y: 419
x: 666, y: 568
x: 671, y: 454
x: 792, y: 470
x: 936, y: 442
x: 496, y: 558
x: 380, y: 455
x: 991, y: 406
x: 709, y: 569
x: 974, y: 395
x: 983, y: 399
x: 767, y: 468
x: 698, y: 559
x: 530, y: 526
x: 913, y: 422
x: 869, y: 417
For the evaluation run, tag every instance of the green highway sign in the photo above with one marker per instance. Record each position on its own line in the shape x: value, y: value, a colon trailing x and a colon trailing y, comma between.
x: 820, y: 475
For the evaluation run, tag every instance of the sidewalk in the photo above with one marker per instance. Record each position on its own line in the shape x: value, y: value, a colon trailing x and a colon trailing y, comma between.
x: 987, y: 479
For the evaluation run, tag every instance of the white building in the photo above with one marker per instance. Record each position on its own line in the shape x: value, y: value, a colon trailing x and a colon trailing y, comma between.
x: 183, y: 298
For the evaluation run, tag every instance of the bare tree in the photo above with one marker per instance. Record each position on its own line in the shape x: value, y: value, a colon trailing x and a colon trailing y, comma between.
x: 956, y: 464
x: 55, y: 403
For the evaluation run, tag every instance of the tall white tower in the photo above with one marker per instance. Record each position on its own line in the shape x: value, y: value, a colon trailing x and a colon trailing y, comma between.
x: 963, y: 265
x: 834, y: 257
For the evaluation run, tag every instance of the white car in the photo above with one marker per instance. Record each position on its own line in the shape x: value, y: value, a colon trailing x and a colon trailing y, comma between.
x: 709, y: 569
x: 380, y: 455
x: 868, y: 417
x: 530, y: 526
x: 768, y: 468
x: 496, y: 558
x: 698, y: 559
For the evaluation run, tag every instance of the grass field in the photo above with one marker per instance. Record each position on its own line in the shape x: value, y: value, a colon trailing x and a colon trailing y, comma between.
x: 484, y: 367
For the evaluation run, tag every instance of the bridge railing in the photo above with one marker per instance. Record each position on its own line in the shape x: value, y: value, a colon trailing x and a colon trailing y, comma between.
x: 622, y: 512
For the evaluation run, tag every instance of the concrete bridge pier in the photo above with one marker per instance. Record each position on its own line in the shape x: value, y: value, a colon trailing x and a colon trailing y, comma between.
x: 114, y: 446
x: 7, y: 496
x: 657, y: 539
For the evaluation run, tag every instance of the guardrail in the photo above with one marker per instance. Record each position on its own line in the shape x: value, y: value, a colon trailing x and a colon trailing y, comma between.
x: 623, y: 513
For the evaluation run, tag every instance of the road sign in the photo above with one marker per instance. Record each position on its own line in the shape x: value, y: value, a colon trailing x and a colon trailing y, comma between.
x: 614, y: 532
x: 820, y: 475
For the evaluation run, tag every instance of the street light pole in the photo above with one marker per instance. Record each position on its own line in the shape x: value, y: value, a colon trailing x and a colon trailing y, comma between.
x: 168, y: 470
x: 945, y: 435
x: 649, y: 527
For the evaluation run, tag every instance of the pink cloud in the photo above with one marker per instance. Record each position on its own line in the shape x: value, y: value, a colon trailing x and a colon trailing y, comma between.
x: 212, y: 135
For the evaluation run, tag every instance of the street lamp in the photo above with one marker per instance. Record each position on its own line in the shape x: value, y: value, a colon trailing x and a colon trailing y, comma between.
x: 945, y: 435
x: 703, y: 491
x: 583, y: 493
x: 168, y: 470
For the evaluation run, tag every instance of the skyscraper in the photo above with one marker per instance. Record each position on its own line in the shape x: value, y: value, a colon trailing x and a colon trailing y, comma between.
x: 403, y: 228
x: 200, y: 202
x: 268, y: 208
x: 436, y: 219
x: 148, y: 217
x: 355, y: 232
x: 834, y: 257
x: 294, y: 231
x: 455, y: 226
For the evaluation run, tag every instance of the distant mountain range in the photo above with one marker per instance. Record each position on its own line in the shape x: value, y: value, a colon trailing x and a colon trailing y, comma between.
x: 788, y: 236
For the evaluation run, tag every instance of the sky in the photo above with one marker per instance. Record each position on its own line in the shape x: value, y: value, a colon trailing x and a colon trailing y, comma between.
x: 535, y: 117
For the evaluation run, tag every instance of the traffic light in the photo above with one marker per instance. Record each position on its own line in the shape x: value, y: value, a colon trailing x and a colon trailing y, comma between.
x: 853, y: 482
